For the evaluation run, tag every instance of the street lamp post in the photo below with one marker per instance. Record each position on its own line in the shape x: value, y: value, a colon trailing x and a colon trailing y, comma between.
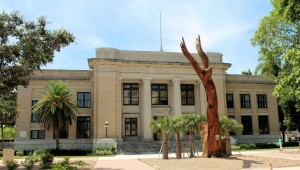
x: 106, y: 126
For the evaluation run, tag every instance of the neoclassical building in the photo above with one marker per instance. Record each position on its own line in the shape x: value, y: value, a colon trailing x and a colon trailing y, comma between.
x: 129, y: 88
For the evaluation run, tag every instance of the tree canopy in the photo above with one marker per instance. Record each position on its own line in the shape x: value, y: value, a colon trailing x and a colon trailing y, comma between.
x: 57, y: 108
x: 278, y: 37
x: 25, y: 46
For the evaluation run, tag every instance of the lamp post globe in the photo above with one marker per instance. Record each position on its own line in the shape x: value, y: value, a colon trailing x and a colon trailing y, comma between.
x: 106, y: 126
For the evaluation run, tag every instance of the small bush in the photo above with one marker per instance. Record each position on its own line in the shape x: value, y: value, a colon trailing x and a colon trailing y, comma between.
x: 1, y: 153
x: 64, y: 165
x: 46, y: 160
x: 70, y: 152
x: 39, y: 152
x: 103, y: 153
x: 80, y: 162
x: 11, y: 165
x: 29, y: 162
x: 288, y: 144
x: 266, y: 145
x: 20, y: 153
x: 235, y: 148
x: 112, y: 148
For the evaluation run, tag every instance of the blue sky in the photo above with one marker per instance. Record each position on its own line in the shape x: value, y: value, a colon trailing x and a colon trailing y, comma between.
x: 225, y: 26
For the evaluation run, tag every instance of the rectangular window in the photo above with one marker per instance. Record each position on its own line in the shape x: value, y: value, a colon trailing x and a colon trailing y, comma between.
x: 247, y: 123
x: 131, y: 94
x: 263, y: 123
x: 83, y: 127
x: 245, y: 100
x: 187, y: 94
x: 159, y: 94
x: 63, y: 134
x: 131, y: 127
x: 261, y: 100
x: 84, y: 99
x: 34, y: 117
x: 37, y: 134
x: 229, y: 100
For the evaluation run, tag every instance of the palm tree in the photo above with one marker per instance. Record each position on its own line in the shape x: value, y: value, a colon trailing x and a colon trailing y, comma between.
x: 191, y: 126
x: 177, y: 126
x: 162, y: 126
x: 56, y: 108
x: 229, y: 125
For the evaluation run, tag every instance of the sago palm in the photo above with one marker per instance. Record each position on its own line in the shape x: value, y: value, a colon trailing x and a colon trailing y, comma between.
x: 229, y: 125
x: 56, y: 108
x: 162, y: 126
x: 191, y: 126
x: 177, y: 126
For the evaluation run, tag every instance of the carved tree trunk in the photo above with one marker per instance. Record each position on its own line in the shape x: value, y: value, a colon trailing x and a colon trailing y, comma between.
x: 202, y: 128
x: 214, y: 142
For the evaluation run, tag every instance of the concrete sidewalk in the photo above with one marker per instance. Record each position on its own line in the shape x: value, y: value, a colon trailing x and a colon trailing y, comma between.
x: 131, y: 162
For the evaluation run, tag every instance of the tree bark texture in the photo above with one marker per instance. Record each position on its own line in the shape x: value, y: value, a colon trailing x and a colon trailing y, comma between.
x: 178, y: 146
x: 191, y: 144
x: 165, y: 147
x: 214, y: 148
x: 202, y: 128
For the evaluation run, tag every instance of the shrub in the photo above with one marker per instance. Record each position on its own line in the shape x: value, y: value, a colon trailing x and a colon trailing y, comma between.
x: 103, y: 153
x: 29, y: 162
x: 11, y: 165
x: 80, y: 162
x: 70, y: 152
x: 287, y: 144
x: 20, y: 153
x: 39, y: 152
x: 1, y: 153
x: 64, y: 165
x: 244, y: 146
x: 235, y: 148
x: 112, y: 148
x: 46, y: 160
x: 266, y: 145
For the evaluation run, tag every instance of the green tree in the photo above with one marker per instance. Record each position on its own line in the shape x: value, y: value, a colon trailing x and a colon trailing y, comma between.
x: 56, y: 108
x: 229, y: 125
x: 278, y: 37
x: 8, y: 111
x: 8, y: 133
x: 177, y: 126
x: 25, y: 46
x: 190, y: 122
x: 162, y: 126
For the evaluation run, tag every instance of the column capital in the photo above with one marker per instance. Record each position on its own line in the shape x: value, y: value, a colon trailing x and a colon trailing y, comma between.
x: 146, y: 79
x: 176, y: 79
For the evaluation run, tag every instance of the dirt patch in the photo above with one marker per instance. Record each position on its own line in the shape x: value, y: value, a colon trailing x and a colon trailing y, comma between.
x: 232, y: 163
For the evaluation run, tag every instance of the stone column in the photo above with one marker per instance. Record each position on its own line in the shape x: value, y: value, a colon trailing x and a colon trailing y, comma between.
x: 197, y: 98
x: 176, y: 96
x: 203, y: 99
x: 147, y: 108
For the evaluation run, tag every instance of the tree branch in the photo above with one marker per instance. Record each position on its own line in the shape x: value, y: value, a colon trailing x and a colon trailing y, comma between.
x: 192, y: 60
x: 201, y: 53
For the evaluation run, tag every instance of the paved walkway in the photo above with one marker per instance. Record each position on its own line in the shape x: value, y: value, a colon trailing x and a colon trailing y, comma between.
x: 131, y: 162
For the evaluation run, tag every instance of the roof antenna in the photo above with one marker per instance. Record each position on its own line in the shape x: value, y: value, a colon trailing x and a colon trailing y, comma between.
x: 161, y: 49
